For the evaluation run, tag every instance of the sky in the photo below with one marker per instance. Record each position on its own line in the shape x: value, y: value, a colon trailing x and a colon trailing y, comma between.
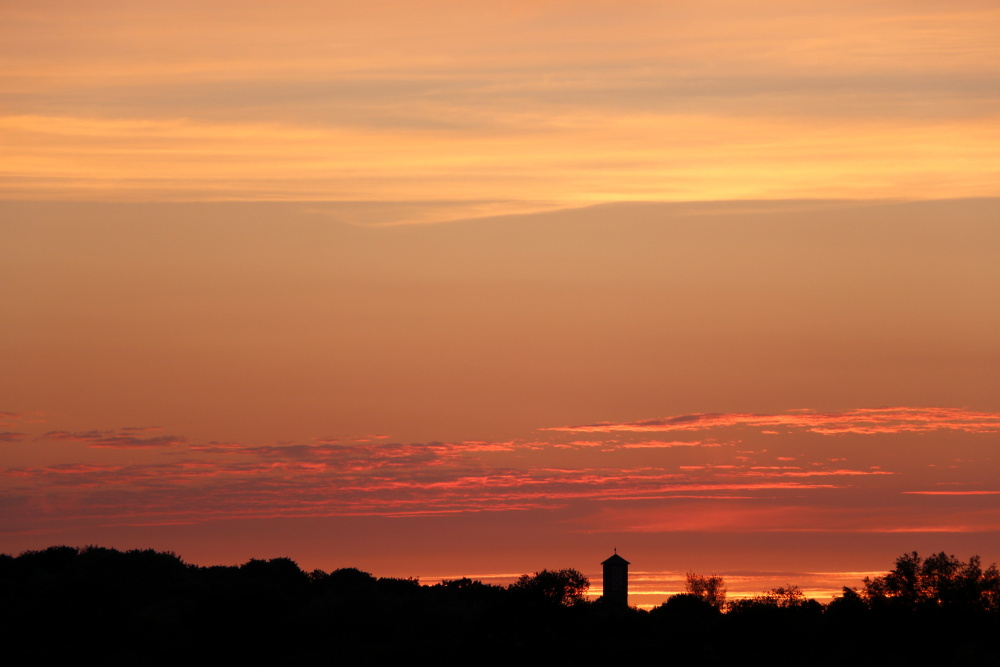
x: 448, y: 289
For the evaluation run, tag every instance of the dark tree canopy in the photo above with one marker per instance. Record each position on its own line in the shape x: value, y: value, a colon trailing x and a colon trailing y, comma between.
x: 935, y: 610
x: 938, y: 581
x: 711, y: 589
x: 565, y: 587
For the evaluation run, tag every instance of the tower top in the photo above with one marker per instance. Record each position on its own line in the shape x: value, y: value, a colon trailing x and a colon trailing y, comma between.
x: 615, y: 560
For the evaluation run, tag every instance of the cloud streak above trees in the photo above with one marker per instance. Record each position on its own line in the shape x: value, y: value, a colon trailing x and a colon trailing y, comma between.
x: 767, y: 480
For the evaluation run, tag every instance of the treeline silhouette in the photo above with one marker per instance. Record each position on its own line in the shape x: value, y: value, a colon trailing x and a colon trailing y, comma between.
x: 149, y: 607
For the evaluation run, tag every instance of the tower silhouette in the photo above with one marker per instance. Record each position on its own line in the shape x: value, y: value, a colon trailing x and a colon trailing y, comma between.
x: 616, y: 581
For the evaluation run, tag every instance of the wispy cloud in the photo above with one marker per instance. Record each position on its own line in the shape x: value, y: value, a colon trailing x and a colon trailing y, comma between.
x: 650, y: 484
x: 953, y: 493
x: 661, y: 444
x: 124, y: 438
x: 860, y: 421
x: 793, y: 517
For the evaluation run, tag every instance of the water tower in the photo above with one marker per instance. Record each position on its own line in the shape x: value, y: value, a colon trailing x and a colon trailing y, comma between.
x: 616, y: 581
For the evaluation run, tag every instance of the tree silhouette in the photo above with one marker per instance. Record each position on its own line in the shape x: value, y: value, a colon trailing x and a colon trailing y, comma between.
x: 938, y: 581
x: 785, y: 596
x: 564, y: 587
x: 60, y: 603
x: 849, y: 605
x: 710, y: 589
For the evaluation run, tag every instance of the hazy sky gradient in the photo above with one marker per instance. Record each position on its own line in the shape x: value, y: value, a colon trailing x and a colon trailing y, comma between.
x: 512, y: 108
x: 714, y: 283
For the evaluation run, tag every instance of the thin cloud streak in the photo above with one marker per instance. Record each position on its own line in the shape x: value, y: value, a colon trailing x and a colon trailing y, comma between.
x: 952, y: 493
x: 861, y: 421
x: 63, y: 157
x: 793, y: 518
x: 123, y: 439
x: 618, y: 482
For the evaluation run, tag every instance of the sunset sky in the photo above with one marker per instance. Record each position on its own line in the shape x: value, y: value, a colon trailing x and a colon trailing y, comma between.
x: 447, y: 289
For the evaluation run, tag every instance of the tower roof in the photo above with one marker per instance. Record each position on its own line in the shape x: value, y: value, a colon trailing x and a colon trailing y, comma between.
x: 615, y: 560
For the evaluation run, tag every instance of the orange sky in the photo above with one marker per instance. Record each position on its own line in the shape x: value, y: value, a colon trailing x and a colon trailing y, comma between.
x: 513, y: 108
x: 712, y: 284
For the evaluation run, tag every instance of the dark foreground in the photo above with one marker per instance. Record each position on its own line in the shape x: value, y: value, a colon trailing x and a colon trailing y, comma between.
x: 147, y: 607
